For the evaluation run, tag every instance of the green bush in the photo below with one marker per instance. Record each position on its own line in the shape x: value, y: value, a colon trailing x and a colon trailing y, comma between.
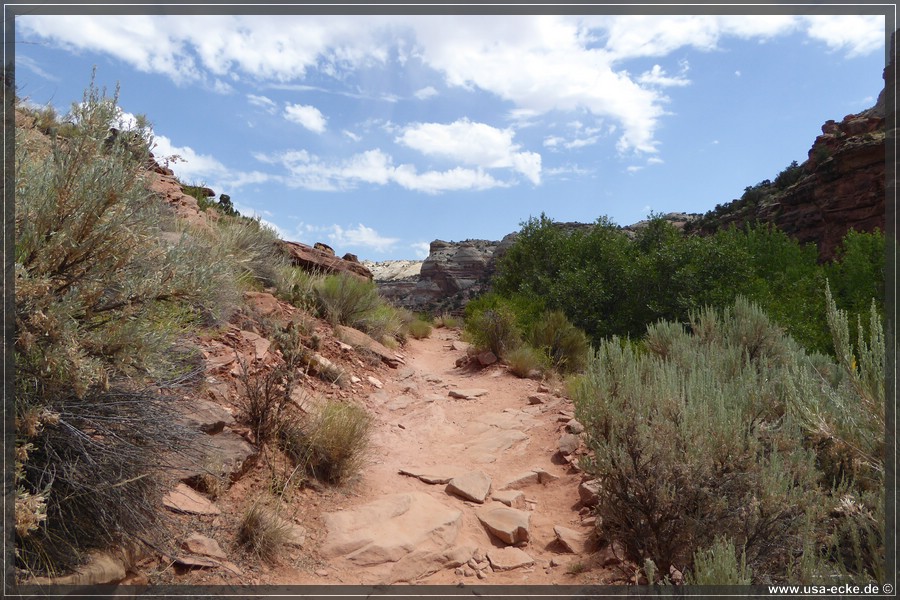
x: 697, y: 444
x: 346, y: 300
x: 101, y: 304
x: 494, y: 329
x: 565, y: 345
x: 719, y: 565
x: 248, y: 247
x: 419, y: 329
x: 525, y: 359
x: 730, y: 430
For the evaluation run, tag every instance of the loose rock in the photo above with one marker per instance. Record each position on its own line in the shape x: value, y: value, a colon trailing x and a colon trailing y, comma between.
x: 507, y: 524
x: 472, y: 486
x: 506, y: 559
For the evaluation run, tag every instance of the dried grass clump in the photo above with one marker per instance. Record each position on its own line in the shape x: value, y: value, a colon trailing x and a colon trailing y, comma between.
x: 262, y: 532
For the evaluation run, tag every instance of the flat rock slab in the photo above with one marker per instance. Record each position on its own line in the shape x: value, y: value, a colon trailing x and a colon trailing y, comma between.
x: 468, y: 394
x: 506, y: 559
x: 197, y: 543
x: 506, y: 524
x: 225, y: 455
x: 422, y: 563
x: 391, y: 527
x: 399, y: 403
x: 573, y: 541
x: 511, y: 498
x: 486, y: 447
x: 184, y: 499
x: 434, y: 475
x: 460, y: 346
x: 527, y: 478
x: 473, y: 486
x: 204, y: 415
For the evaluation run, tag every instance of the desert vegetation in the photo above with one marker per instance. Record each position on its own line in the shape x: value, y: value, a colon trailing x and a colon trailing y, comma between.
x: 735, y: 427
x: 110, y: 289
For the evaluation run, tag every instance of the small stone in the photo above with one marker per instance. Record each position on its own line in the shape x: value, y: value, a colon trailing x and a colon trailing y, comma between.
x: 486, y: 359
x: 568, y: 443
x: 481, y: 574
x: 588, y: 492
x: 506, y: 524
x: 375, y: 382
x: 184, y: 499
x: 538, y: 399
x: 573, y: 541
x: 322, y: 572
x: 458, y: 570
x: 556, y: 562
x: 574, y: 427
x: 354, y: 379
x: 467, y: 572
x: 460, y: 346
x: 202, y: 545
x: 543, y: 389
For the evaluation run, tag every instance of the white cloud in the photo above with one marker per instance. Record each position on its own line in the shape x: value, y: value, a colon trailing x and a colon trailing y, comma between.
x: 574, y: 63
x: 267, y: 104
x: 193, y: 167
x: 222, y: 87
x: 657, y: 76
x: 310, y: 172
x: 737, y: 73
x: 361, y: 237
x: 856, y: 35
x: 421, y: 249
x: 308, y: 116
x: 190, y: 166
x: 655, y: 160
x: 351, y: 135
x: 425, y: 93
x: 471, y: 143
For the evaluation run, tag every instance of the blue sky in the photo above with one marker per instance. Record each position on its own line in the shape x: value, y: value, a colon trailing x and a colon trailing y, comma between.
x: 379, y: 134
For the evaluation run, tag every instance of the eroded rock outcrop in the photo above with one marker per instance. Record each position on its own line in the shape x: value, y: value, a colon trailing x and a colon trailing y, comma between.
x: 321, y: 260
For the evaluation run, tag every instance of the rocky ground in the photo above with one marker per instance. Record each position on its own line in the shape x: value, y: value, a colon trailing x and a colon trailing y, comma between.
x: 468, y: 480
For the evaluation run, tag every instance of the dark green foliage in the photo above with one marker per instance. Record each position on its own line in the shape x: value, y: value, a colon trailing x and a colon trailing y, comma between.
x: 789, y: 176
x: 608, y: 284
x: 494, y: 329
x: 564, y: 344
x: 226, y: 207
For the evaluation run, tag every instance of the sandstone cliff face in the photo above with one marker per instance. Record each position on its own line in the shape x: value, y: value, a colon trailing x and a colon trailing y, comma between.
x: 841, y: 185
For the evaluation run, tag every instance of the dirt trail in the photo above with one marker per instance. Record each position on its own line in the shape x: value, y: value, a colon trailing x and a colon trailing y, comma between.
x: 399, y: 521
x: 420, y: 428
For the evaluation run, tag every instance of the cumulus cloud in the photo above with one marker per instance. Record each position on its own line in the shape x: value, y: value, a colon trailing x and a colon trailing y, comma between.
x: 856, y: 35
x: 575, y: 63
x: 361, y: 237
x: 194, y: 167
x: 474, y: 144
x: 375, y: 167
x: 308, y: 116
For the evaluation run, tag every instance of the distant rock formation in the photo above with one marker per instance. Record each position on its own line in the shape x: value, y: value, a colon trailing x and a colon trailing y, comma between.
x: 316, y: 259
x: 456, y: 272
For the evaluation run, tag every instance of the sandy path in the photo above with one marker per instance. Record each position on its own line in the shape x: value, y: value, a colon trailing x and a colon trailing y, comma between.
x: 417, y: 425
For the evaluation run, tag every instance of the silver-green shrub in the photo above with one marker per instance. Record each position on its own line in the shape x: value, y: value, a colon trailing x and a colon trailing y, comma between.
x: 692, y: 441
